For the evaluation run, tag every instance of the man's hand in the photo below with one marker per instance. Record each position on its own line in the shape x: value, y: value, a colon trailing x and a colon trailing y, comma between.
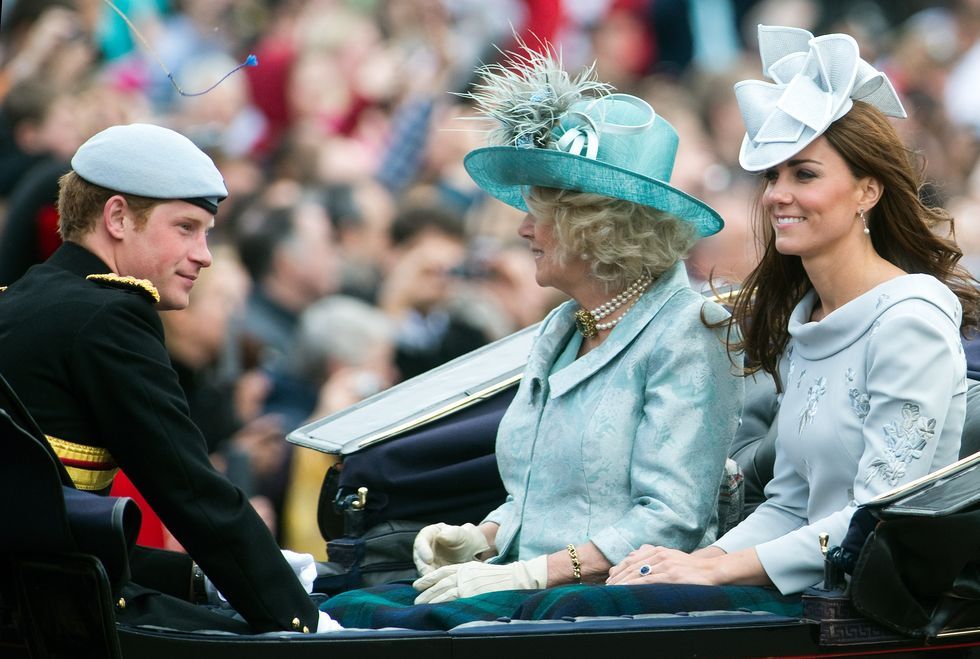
x: 303, y: 566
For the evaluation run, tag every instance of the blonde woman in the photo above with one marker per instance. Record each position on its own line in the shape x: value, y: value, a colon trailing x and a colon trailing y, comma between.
x: 621, y: 425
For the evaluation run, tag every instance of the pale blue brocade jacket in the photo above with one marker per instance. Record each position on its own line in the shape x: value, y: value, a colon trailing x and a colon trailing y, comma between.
x: 625, y: 445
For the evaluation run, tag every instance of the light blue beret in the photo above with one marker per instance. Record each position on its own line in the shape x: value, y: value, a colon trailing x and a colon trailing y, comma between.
x: 150, y: 161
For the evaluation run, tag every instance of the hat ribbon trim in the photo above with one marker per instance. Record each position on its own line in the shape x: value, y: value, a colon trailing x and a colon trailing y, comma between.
x: 583, y: 139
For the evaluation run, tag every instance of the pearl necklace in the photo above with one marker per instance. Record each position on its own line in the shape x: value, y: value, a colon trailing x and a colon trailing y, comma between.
x: 587, y: 321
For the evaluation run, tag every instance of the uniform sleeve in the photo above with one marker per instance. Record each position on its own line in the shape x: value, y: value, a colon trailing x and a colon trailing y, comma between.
x: 121, y: 363
x: 692, y: 402
x: 914, y: 371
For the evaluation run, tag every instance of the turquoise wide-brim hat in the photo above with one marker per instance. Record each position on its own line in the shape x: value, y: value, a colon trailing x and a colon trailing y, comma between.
x: 614, y: 145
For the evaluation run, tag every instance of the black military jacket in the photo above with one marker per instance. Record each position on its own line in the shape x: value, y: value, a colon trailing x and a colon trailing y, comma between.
x: 89, y: 362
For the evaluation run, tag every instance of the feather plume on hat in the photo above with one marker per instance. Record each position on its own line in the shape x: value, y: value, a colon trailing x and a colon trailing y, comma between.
x: 528, y: 92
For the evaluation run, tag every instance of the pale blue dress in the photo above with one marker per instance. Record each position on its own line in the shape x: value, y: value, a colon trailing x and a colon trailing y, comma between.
x: 874, y: 397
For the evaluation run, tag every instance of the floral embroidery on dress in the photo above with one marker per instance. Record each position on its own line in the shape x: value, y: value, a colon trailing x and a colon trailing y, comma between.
x: 904, y: 441
x: 884, y: 297
x: 813, y: 396
x: 874, y: 328
x: 860, y: 403
x: 800, y: 380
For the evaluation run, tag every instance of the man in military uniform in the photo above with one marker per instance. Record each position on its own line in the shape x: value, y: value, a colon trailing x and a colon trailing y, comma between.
x: 83, y: 348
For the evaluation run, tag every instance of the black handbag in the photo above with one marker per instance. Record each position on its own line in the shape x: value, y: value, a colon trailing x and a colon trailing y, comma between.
x: 444, y: 471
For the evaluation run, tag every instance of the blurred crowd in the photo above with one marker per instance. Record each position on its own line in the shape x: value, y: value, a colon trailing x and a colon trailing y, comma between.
x: 354, y: 251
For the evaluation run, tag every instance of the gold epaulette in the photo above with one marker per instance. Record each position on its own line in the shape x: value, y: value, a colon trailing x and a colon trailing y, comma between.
x: 2, y: 289
x: 128, y: 283
x: 91, y: 468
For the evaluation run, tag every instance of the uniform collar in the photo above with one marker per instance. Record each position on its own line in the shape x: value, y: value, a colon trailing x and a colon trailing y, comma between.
x: 78, y: 260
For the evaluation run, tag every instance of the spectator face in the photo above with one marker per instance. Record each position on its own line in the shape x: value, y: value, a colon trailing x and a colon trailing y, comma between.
x: 169, y: 249
x: 309, y: 258
x: 427, y: 264
x: 218, y: 297
x: 59, y: 131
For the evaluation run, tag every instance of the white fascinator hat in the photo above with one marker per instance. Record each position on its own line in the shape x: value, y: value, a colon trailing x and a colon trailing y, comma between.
x: 814, y: 82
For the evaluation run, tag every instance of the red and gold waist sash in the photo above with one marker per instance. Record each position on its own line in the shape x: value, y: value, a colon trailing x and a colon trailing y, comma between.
x: 91, y: 468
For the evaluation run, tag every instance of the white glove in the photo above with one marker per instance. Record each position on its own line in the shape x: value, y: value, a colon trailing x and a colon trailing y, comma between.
x: 327, y: 624
x: 443, y: 544
x: 467, y: 579
x: 303, y: 565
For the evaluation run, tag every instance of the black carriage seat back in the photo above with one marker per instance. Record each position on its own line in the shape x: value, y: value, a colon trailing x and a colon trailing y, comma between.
x: 64, y: 554
x: 754, y: 444
x: 45, y: 513
x: 32, y: 480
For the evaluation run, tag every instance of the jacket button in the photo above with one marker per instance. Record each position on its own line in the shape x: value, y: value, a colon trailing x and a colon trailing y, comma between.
x: 121, y: 603
x: 306, y: 630
x: 296, y: 624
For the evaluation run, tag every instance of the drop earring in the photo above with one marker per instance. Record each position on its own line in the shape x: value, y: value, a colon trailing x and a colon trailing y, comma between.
x: 864, y: 219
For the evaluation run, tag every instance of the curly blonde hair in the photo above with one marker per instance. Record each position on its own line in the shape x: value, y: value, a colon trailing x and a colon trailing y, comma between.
x: 622, y: 239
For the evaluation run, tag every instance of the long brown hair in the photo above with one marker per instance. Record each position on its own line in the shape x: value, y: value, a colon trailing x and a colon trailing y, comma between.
x: 901, y: 232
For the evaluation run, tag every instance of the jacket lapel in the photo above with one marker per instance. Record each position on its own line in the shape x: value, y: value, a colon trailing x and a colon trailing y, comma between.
x: 619, y: 339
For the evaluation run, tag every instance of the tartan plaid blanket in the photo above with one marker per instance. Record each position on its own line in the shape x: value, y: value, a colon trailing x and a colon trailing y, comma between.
x: 391, y: 605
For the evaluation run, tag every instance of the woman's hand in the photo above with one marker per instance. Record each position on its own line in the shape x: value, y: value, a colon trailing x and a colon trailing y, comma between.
x: 650, y: 564
x: 439, y: 545
x: 708, y: 566
x: 474, y: 578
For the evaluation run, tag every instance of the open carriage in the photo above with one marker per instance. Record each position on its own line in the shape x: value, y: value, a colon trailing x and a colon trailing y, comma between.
x: 63, y: 553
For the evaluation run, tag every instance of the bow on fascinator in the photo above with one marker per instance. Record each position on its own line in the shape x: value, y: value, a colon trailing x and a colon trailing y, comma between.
x: 815, y: 81
x: 586, y: 122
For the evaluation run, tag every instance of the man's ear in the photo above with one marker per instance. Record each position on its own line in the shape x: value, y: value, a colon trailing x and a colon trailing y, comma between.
x: 870, y: 192
x: 114, y: 215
